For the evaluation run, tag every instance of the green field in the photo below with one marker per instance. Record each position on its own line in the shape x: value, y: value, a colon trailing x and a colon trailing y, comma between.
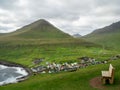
x: 57, y: 50
x: 42, y: 40
x: 25, y: 51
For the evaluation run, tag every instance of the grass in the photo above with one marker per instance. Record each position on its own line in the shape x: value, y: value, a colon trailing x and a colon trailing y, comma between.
x: 54, y: 51
x: 78, y: 80
x: 24, y: 51
x: 42, y: 40
x: 109, y: 39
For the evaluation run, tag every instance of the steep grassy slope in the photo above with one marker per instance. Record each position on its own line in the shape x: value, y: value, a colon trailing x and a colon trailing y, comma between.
x: 38, y: 29
x: 41, y: 40
x: 107, y: 36
x: 25, y: 51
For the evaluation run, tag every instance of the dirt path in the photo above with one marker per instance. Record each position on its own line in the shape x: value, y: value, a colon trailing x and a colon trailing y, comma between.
x: 96, y: 83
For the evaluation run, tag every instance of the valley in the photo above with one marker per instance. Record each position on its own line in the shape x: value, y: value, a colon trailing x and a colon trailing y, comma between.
x: 41, y: 40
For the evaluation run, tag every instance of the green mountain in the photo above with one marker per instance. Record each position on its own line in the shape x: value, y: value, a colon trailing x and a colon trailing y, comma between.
x: 37, y: 33
x: 41, y: 40
x: 108, y: 36
x: 39, y: 29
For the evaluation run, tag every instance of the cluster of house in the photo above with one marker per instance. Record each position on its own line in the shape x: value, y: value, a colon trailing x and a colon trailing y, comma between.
x: 54, y: 67
x: 57, y: 67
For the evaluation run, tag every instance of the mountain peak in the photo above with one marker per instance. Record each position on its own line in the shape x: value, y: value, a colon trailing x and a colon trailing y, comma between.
x: 77, y: 35
x: 39, y: 29
x: 41, y: 22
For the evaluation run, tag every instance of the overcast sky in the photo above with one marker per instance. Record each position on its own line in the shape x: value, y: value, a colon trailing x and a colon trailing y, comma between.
x: 71, y: 16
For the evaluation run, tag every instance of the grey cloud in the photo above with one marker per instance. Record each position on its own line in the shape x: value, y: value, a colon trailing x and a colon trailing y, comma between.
x: 5, y: 29
x: 89, y: 14
x: 106, y: 2
x: 5, y: 4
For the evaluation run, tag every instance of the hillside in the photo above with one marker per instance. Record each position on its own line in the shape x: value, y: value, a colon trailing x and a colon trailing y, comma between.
x: 41, y: 40
x: 40, y: 32
x: 113, y: 28
x: 39, y: 29
x: 108, y: 36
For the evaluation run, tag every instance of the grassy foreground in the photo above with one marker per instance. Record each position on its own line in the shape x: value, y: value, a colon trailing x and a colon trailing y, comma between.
x: 78, y: 80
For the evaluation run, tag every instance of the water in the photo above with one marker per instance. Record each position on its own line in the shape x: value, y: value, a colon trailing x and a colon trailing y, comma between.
x: 11, y: 74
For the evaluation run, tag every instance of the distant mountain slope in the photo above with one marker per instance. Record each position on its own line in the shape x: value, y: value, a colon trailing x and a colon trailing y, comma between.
x: 115, y: 27
x: 39, y: 29
x: 76, y: 35
x: 109, y: 35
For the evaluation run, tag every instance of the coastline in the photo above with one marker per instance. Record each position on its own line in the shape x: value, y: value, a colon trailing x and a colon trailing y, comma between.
x: 12, y: 64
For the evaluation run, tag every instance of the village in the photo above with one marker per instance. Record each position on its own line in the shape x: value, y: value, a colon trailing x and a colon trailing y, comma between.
x: 58, y: 67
